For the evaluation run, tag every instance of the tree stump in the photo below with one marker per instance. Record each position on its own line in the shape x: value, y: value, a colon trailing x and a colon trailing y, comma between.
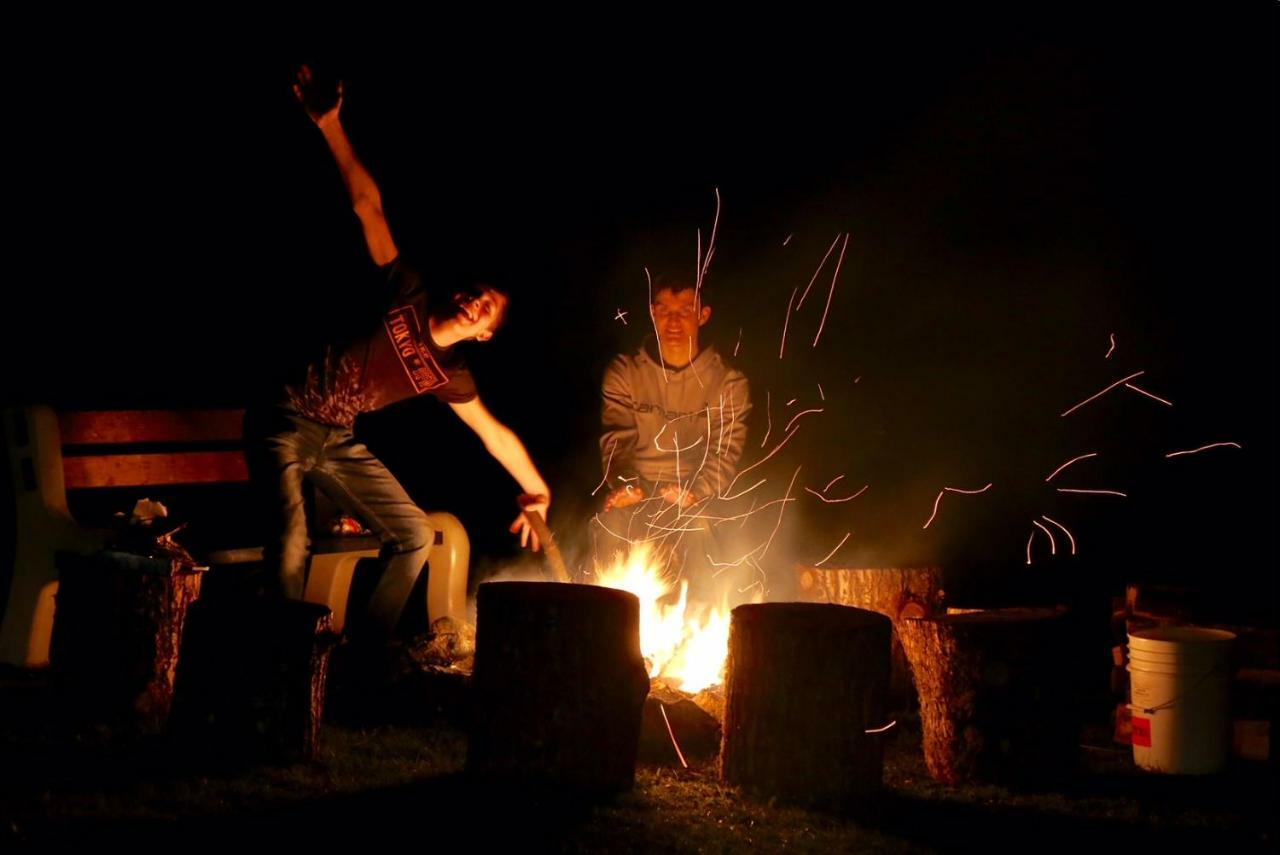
x: 251, y: 683
x: 895, y: 592
x: 995, y: 698
x: 805, y: 682
x: 117, y: 633
x: 559, y: 685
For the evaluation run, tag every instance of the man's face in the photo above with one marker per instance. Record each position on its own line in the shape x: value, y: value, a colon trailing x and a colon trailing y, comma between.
x: 478, y: 313
x: 677, y: 318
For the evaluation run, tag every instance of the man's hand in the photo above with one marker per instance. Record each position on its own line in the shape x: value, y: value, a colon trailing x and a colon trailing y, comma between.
x: 530, y: 504
x: 674, y: 494
x: 623, y: 497
x: 321, y: 102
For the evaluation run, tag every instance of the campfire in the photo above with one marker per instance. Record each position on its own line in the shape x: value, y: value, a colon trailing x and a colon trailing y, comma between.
x: 684, y: 645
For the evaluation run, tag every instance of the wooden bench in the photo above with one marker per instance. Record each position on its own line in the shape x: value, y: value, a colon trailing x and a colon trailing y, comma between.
x: 51, y: 453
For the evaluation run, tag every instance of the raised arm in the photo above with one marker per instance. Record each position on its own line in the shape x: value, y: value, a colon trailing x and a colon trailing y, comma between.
x: 324, y: 108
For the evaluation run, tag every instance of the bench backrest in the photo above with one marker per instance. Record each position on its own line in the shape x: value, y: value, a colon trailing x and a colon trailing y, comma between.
x: 52, y: 453
x: 132, y: 448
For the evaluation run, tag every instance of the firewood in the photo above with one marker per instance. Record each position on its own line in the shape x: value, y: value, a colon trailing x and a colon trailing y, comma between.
x: 559, y: 684
x: 895, y: 592
x: 117, y: 634
x: 252, y: 679
x: 674, y: 727
x: 805, y: 683
x: 995, y: 703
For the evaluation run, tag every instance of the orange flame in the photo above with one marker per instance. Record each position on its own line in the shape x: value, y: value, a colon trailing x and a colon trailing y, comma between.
x: 685, y: 645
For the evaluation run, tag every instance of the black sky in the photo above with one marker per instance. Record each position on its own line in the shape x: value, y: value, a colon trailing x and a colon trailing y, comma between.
x: 1014, y: 193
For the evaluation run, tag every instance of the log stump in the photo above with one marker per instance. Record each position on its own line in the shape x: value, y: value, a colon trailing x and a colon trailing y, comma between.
x: 805, y: 682
x: 558, y: 687
x: 895, y: 592
x: 251, y: 683
x: 995, y: 694
x: 117, y: 633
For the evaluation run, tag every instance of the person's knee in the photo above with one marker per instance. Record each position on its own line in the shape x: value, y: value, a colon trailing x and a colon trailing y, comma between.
x: 412, y: 532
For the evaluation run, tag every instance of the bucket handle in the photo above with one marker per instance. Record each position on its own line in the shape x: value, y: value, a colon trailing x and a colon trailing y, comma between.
x: 1169, y: 703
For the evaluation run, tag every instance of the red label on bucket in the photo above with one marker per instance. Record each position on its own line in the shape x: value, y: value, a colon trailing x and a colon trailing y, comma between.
x: 1142, y: 732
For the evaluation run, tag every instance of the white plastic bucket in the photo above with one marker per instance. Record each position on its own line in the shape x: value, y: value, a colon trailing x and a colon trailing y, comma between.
x: 1180, y: 679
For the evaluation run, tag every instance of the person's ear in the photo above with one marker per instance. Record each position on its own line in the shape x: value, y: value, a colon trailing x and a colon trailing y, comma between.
x: 704, y: 316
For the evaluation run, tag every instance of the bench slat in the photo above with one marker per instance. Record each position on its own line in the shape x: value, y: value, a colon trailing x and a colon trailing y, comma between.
x: 137, y: 426
x: 139, y: 470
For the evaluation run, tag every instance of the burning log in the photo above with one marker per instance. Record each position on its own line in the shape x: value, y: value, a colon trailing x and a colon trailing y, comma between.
x: 895, y: 592
x: 675, y: 727
x: 995, y: 703
x: 559, y: 684
x: 786, y: 662
x: 252, y: 678
x: 117, y: 633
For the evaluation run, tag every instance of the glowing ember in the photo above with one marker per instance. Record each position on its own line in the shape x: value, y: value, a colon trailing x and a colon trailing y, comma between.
x: 950, y: 490
x: 786, y: 319
x: 1119, y: 382
x: 1064, y: 531
x: 834, y: 551
x: 1055, y: 472
x: 1205, y: 448
x: 798, y: 415
x: 1141, y: 391
x: 831, y: 292
x: 830, y: 249
x: 1053, y: 545
x: 686, y: 646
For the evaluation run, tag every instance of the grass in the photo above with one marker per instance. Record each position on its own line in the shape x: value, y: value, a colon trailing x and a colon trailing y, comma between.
x: 375, y: 785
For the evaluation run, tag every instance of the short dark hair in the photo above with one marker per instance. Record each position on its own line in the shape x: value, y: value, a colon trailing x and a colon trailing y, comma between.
x: 470, y: 290
x: 677, y: 282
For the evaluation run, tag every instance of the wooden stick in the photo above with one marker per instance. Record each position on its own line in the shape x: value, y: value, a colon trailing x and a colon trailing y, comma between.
x: 549, y: 545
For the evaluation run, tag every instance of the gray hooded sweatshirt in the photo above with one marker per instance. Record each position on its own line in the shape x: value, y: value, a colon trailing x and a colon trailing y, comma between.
x: 685, y: 425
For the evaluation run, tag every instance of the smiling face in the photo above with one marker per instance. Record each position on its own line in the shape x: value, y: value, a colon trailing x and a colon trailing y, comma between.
x: 478, y: 316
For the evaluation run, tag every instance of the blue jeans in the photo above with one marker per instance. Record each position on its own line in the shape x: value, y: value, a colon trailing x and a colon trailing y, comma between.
x: 284, y: 451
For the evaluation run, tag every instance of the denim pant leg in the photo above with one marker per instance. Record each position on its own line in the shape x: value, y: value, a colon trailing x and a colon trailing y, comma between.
x: 281, y: 448
x: 361, y: 485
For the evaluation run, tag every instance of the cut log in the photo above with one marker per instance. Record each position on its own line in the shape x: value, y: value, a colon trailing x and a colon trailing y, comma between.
x: 805, y: 682
x: 674, y: 718
x: 995, y: 699
x: 251, y: 683
x: 887, y: 590
x: 117, y: 633
x: 559, y: 684
x: 895, y: 592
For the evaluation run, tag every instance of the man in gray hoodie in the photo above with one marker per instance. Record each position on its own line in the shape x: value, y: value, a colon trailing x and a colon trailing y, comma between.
x: 674, y: 430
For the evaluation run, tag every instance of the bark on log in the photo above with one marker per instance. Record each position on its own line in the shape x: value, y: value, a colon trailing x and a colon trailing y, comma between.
x: 251, y: 683
x: 805, y: 682
x: 896, y: 592
x: 559, y: 684
x: 117, y: 633
x: 995, y: 695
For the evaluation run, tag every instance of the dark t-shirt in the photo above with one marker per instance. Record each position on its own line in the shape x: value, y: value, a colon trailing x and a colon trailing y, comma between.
x: 391, y: 362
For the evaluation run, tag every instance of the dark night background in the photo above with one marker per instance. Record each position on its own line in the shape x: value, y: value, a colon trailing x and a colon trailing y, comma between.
x: 1014, y: 195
